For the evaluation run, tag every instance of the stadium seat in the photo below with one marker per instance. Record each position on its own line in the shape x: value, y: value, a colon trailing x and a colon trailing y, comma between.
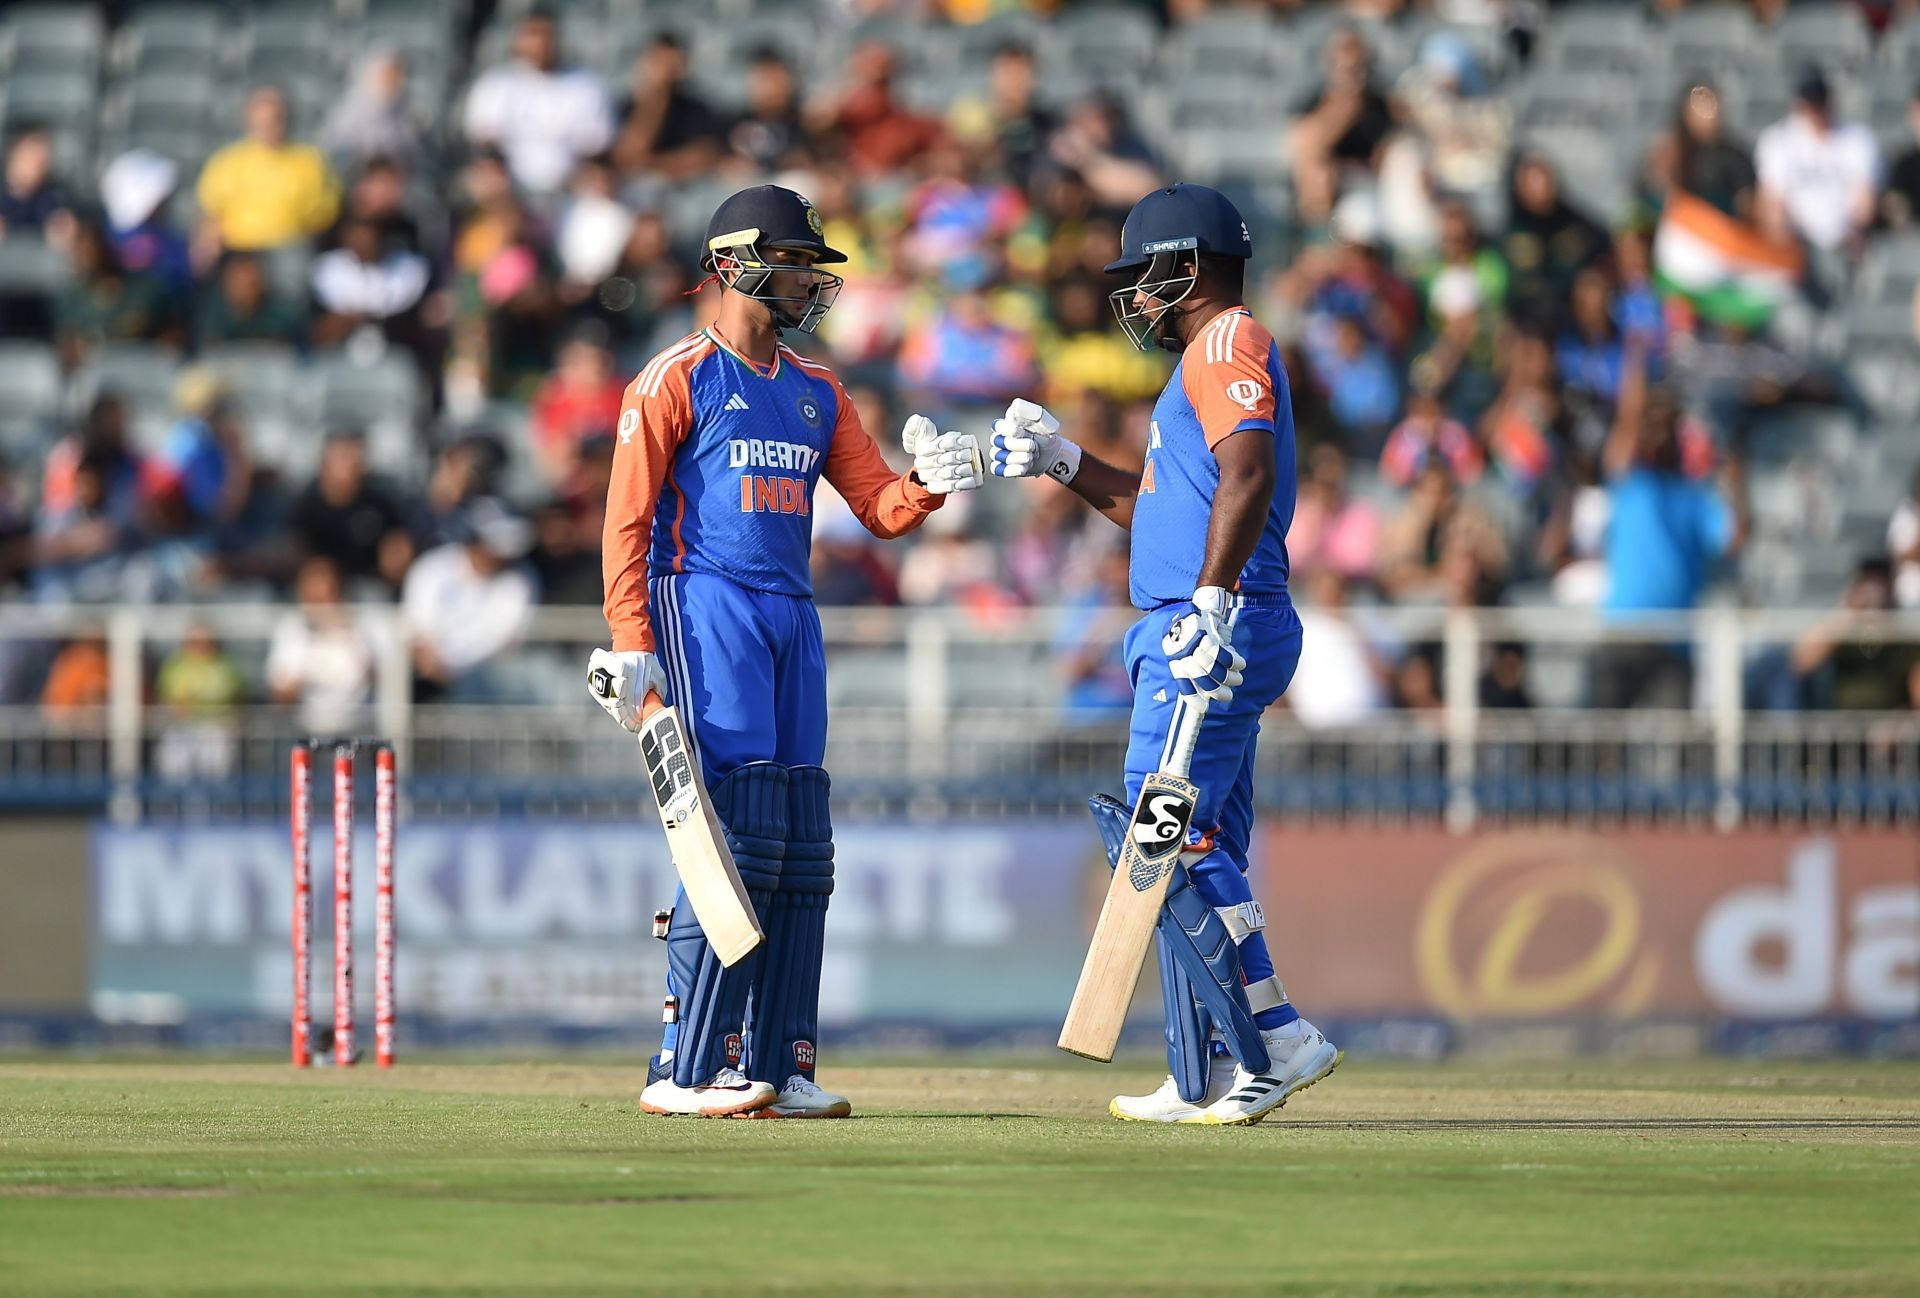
x: 143, y: 373
x: 1592, y: 176
x: 1226, y: 45
x: 30, y: 276
x: 1103, y: 45
x: 1835, y: 37
x: 1707, y: 38
x: 1595, y: 37
x: 385, y: 398
x: 165, y: 36
x: 33, y: 95
x: 53, y: 38
x: 29, y: 397
x: 1560, y: 97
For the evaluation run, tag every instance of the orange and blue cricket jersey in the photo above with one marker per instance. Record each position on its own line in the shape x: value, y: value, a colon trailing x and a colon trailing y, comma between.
x: 1230, y: 381
x: 709, y: 535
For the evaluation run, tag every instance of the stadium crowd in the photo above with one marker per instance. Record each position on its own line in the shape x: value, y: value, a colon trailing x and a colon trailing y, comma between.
x: 1501, y: 395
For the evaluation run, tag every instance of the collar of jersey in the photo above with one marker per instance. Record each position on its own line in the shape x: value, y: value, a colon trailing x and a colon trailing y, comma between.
x: 751, y: 365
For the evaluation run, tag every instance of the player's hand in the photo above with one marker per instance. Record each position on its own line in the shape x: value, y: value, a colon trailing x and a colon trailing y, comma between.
x: 943, y: 462
x: 1027, y: 444
x: 1199, y: 647
x: 619, y: 683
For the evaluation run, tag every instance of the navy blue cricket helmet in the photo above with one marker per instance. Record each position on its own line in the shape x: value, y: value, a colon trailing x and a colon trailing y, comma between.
x: 753, y: 222
x: 1167, y: 228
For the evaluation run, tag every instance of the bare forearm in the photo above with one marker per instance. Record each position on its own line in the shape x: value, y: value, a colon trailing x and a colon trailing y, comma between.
x: 1108, y: 488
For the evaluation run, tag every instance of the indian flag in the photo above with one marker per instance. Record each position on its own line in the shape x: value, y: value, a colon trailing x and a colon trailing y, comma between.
x: 1728, y: 270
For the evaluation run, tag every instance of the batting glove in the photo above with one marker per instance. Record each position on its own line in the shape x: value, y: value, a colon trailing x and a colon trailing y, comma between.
x: 1199, y: 646
x: 944, y: 462
x: 1027, y: 444
x: 620, y: 682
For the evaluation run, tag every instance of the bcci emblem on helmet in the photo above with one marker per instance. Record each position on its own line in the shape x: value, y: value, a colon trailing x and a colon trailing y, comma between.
x: 813, y: 218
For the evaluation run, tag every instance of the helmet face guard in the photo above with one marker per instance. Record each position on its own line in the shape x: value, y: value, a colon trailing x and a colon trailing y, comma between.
x: 1146, y: 306
x: 742, y: 268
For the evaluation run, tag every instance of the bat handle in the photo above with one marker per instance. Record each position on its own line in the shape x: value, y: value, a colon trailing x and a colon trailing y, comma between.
x: 1187, y: 716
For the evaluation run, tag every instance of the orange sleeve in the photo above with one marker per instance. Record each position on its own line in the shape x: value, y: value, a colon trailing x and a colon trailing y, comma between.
x: 652, y: 426
x: 888, y: 504
x: 1224, y: 372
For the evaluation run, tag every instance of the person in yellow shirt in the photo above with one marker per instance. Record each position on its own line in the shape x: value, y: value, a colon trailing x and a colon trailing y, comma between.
x: 262, y: 191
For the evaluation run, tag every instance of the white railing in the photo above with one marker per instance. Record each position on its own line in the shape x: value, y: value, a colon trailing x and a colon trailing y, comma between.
x: 981, y: 725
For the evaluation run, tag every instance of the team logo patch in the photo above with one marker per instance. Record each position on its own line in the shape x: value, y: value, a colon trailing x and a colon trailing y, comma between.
x: 629, y: 425
x: 732, y: 1047
x: 813, y: 218
x: 1244, y: 393
x: 809, y: 410
x: 803, y: 1054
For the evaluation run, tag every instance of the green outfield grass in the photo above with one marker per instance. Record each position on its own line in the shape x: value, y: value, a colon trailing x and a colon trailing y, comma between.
x: 1731, y: 1178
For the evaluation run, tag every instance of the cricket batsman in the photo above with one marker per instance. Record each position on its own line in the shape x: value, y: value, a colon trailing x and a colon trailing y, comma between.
x: 721, y: 442
x: 1208, y: 570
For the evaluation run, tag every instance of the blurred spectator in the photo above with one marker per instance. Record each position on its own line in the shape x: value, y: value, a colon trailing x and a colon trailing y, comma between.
x: 1591, y: 351
x: 1900, y: 204
x: 222, y: 513
x: 1696, y: 156
x: 593, y: 232
x: 134, y: 189
x: 1548, y: 243
x: 82, y: 543
x: 463, y: 472
x: 875, y: 132
x: 102, y: 434
x: 378, y: 195
x: 466, y: 604
x: 1018, y: 125
x: 263, y: 191
x: 962, y: 354
x: 1664, y: 535
x: 1427, y: 434
x: 544, y: 118
x: 1572, y: 541
x: 508, y: 303
x: 1339, y: 126
x: 240, y: 306
x: 848, y: 570
x: 1503, y: 682
x: 374, y: 118
x: 1844, y: 670
x: 1521, y: 427
x: 78, y: 682
x: 1733, y: 377
x: 1818, y: 175
x: 581, y: 399
x: 1455, y: 139
x: 1085, y: 353
x: 1341, y: 680
x: 199, y: 688
x: 349, y: 518
x: 1097, y: 143
x: 1903, y: 543
x: 363, y: 285
x: 770, y: 134
x: 325, y: 654
x: 1332, y: 529
x: 16, y: 549
x: 950, y: 569
x: 32, y: 200
x: 103, y: 303
x: 960, y: 214
x: 666, y: 129
x: 1348, y: 278
x: 1361, y: 383
x: 566, y: 557
x: 642, y: 301
x: 1089, y: 646
x: 1438, y: 527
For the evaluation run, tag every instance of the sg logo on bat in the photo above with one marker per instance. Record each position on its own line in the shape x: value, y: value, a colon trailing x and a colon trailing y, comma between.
x: 1159, y: 831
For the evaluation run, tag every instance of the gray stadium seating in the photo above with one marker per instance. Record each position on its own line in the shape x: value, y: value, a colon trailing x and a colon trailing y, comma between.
x: 144, y: 373
x: 52, y: 38
x: 1834, y: 37
x: 1227, y: 46
x: 384, y: 398
x: 30, y: 390
x: 1596, y: 37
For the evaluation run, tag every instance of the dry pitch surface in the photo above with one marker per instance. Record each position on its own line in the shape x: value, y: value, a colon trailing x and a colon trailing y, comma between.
x: 1729, y: 1178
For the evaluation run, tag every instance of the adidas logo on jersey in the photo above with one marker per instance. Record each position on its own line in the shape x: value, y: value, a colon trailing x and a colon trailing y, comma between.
x: 735, y: 402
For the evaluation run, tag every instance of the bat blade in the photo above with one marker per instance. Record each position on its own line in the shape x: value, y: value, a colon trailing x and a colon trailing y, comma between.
x: 701, y: 856
x: 1155, y: 837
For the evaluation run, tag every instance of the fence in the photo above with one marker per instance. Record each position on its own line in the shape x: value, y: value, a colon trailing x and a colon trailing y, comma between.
x: 945, y: 713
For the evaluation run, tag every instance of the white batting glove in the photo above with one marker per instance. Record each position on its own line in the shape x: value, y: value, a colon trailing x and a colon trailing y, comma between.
x: 944, y: 462
x: 1199, y: 646
x: 619, y: 683
x: 1027, y: 444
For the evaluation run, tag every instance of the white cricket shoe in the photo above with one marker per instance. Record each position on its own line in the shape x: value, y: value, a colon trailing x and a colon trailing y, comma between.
x: 1297, y: 1061
x: 728, y: 1093
x: 1165, y: 1104
x: 800, y: 1098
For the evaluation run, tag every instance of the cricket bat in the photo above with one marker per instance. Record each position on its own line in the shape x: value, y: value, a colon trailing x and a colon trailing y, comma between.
x: 699, y: 847
x: 1155, y: 837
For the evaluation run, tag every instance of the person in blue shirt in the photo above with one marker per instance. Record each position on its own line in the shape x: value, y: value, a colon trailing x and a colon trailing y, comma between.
x: 1665, y: 537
